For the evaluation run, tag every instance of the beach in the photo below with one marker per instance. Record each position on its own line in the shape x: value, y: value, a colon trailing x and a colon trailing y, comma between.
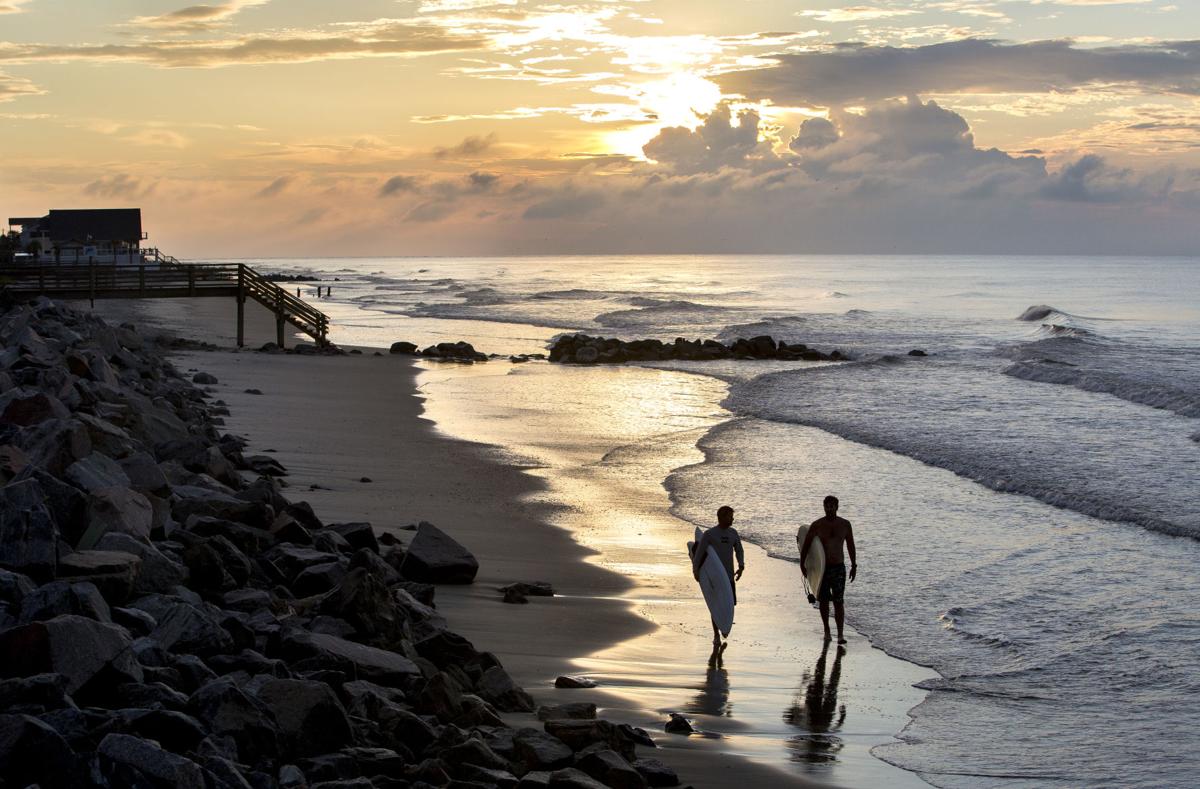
x: 626, y: 614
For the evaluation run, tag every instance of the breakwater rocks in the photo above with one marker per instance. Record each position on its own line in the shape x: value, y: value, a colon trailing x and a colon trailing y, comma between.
x: 582, y: 349
x: 168, y: 618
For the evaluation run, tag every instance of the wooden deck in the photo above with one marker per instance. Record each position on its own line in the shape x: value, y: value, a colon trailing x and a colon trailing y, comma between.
x: 167, y: 279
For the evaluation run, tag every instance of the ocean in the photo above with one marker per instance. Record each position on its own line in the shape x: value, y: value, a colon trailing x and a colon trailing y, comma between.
x: 1024, y: 496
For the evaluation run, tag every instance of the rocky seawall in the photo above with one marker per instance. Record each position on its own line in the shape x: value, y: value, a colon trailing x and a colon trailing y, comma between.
x: 169, y: 618
x: 584, y: 349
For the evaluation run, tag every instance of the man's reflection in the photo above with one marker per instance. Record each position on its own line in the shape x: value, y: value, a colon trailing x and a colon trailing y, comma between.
x: 713, y: 698
x: 815, y: 709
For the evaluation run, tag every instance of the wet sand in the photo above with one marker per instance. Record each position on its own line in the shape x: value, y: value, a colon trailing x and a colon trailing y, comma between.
x: 794, y: 716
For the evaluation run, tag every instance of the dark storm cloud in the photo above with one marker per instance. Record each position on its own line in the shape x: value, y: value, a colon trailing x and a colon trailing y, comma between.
x: 851, y: 74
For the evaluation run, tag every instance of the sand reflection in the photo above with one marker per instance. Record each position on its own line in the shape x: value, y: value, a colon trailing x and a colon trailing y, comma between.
x: 816, y: 711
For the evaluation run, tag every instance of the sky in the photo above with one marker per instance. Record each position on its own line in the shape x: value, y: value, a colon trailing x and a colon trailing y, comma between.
x: 279, y: 128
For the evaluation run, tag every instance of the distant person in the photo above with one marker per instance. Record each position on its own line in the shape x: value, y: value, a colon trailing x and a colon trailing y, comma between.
x: 723, y: 539
x: 833, y: 532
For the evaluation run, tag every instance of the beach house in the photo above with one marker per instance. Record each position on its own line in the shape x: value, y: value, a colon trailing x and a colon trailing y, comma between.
x: 97, y: 235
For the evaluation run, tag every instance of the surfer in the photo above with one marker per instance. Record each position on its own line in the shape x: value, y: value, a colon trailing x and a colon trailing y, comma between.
x: 725, y: 541
x: 833, y: 533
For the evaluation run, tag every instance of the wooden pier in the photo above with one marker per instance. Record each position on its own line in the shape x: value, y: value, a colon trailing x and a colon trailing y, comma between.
x: 167, y: 278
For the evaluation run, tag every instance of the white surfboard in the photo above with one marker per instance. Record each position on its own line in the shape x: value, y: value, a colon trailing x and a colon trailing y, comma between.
x: 714, y: 583
x: 814, y: 563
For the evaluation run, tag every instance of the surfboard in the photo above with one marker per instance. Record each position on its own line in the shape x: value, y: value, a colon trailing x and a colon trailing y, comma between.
x: 814, y: 563
x: 714, y: 583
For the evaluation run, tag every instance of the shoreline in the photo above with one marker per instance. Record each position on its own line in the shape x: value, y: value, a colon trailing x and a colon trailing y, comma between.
x: 457, y: 485
x: 601, y: 621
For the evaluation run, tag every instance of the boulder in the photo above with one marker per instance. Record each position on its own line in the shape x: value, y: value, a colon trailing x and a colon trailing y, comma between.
x: 56, y: 444
x: 205, y: 379
x: 407, y: 348
x: 34, y: 754
x: 188, y: 627
x: 63, y: 597
x: 308, y: 714
x: 536, y: 750
x: 156, y: 573
x: 571, y: 778
x: 113, y: 572
x: 358, y: 534
x: 575, y: 710
x: 435, y: 557
x: 364, y: 602
x: 320, y: 579
x: 88, y: 654
x: 498, y: 688
x: 678, y: 724
x: 125, y: 760
x: 323, y: 651
x: 610, y: 768
x: 227, y: 710
x: 96, y: 472
x: 569, y: 681
x: 144, y: 474
x: 293, y: 559
x: 25, y: 407
x: 28, y: 533
x: 117, y: 509
x: 35, y: 694
x: 14, y: 587
x: 376, y: 566
x: 579, y: 734
x: 656, y: 773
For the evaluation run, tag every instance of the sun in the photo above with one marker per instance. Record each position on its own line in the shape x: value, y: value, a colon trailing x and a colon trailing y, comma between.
x: 678, y: 100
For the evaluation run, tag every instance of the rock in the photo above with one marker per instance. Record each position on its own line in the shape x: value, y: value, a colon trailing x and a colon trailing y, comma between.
x: 536, y: 750
x: 32, y: 753
x: 472, y: 751
x: 498, y: 688
x: 302, y: 513
x: 586, y: 355
x: 576, y: 710
x: 206, y: 569
x: 293, y: 559
x: 610, y: 768
x: 435, y: 557
x: 227, y: 710
x: 35, y: 694
x: 403, y: 347
x: 656, y: 773
x: 578, y: 734
x: 63, y: 597
x: 570, y: 778
x: 137, y: 622
x: 359, y: 534
x: 512, y: 596
x: 320, y: 579
x: 917, y: 352
x: 28, y: 534
x: 113, y: 572
x: 96, y: 472
x: 678, y: 725
x: 25, y: 407
x: 206, y: 379
x: 364, y: 602
x: 144, y: 475
x: 441, y: 697
x: 156, y: 573
x: 14, y: 587
x: 117, y: 509
x: 89, y: 655
x: 568, y: 681
x: 151, y: 695
x: 188, y: 627
x: 253, y: 391
x: 196, y: 501
x: 266, y: 466
x: 12, y: 462
x: 308, y: 714
x: 370, y: 561
x: 131, y: 761
x: 359, y: 660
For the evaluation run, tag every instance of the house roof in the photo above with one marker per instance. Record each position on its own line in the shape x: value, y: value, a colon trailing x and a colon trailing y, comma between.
x: 98, y: 224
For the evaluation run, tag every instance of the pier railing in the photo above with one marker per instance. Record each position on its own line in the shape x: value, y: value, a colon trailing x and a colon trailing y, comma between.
x: 169, y: 278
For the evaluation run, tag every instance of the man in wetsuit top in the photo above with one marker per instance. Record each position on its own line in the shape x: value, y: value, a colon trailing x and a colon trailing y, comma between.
x: 833, y: 532
x: 725, y: 541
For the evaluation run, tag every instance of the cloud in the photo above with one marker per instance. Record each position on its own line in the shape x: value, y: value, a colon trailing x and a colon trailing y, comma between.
x: 196, y: 18
x: 855, y: 13
x: 814, y: 133
x: 164, y: 138
x: 852, y: 74
x: 119, y: 185
x: 13, y: 6
x: 398, y: 184
x: 569, y: 204
x: 716, y: 143
x: 12, y: 88
x: 469, y: 148
x: 275, y: 187
x: 390, y: 39
x: 1090, y: 180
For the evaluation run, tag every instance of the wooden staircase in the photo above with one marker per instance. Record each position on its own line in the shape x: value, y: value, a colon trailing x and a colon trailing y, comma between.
x: 162, y: 276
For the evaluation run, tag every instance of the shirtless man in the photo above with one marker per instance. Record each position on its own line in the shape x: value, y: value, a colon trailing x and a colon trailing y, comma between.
x: 725, y: 541
x: 833, y: 532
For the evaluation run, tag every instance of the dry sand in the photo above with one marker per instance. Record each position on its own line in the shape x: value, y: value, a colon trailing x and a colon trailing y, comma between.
x: 334, y: 420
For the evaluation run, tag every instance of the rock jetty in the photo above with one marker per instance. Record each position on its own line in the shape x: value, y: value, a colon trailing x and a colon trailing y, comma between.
x: 583, y: 349
x: 168, y: 618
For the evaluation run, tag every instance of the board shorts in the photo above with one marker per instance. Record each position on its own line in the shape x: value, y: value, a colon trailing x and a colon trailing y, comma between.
x: 833, y: 584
